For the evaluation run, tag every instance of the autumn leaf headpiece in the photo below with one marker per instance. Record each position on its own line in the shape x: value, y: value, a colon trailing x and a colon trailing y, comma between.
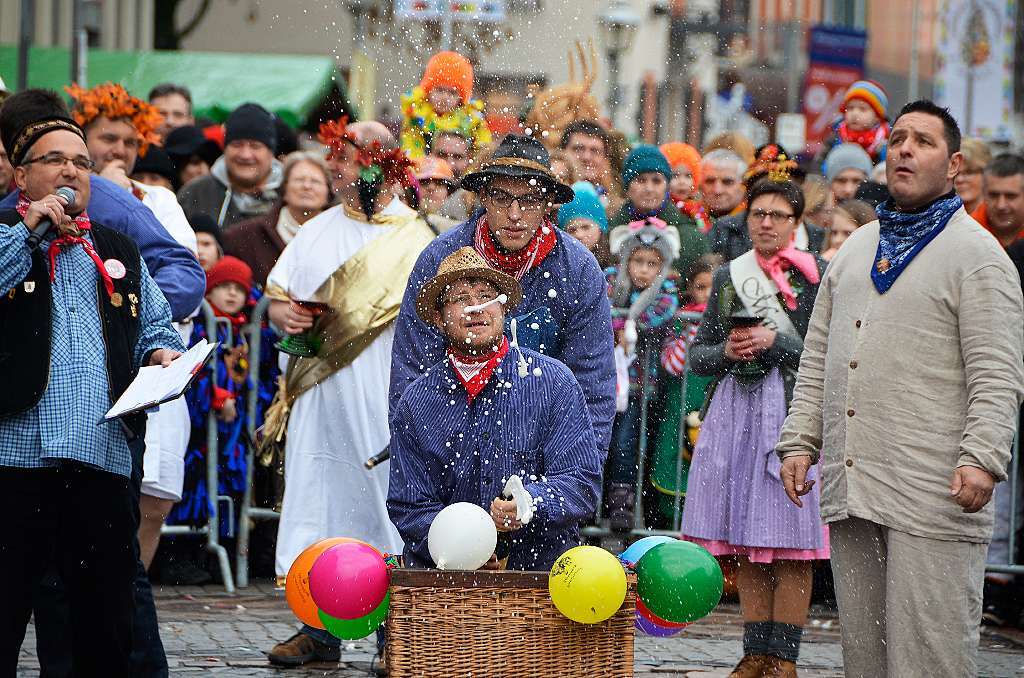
x: 113, y: 101
x: 377, y: 163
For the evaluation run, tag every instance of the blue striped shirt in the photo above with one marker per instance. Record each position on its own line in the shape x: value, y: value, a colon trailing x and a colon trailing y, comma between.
x: 444, y: 450
x: 565, y: 314
x: 63, y: 425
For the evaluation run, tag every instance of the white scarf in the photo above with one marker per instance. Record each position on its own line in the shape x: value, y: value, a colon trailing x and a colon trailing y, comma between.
x: 287, y: 226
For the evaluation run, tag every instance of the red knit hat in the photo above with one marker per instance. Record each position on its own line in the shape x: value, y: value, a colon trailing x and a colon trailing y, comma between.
x: 449, y: 69
x: 229, y: 269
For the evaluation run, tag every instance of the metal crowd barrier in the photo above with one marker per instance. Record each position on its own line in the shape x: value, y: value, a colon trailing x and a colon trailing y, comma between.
x: 1012, y: 566
x: 247, y: 512
x: 650, y: 359
x: 212, y: 528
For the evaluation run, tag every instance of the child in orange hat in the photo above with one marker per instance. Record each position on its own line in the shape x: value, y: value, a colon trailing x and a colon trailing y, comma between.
x: 684, y: 160
x: 443, y: 102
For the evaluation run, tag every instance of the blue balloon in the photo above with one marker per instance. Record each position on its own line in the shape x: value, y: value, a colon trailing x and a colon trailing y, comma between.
x: 638, y: 548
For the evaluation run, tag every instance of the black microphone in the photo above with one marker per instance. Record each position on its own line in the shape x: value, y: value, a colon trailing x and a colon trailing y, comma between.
x: 44, y: 226
x: 378, y: 458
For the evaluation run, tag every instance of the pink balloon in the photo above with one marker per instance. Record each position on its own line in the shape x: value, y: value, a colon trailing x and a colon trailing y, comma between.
x: 349, y: 581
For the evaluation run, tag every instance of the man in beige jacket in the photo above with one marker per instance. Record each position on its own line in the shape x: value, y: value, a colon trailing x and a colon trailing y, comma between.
x: 907, y: 394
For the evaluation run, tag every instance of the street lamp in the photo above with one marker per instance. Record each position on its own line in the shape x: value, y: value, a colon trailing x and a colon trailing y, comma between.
x: 619, y: 24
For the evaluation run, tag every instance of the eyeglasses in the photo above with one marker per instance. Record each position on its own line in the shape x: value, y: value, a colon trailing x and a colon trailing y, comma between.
x: 464, y: 299
x: 528, y: 202
x: 778, y: 218
x: 58, y: 160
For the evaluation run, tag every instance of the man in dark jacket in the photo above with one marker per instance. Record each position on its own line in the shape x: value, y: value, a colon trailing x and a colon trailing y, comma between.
x: 244, y: 182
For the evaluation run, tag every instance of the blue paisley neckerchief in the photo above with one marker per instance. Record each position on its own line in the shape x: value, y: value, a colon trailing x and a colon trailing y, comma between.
x: 903, y: 234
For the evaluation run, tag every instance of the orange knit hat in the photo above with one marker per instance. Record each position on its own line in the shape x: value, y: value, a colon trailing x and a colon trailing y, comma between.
x: 677, y: 153
x: 449, y: 69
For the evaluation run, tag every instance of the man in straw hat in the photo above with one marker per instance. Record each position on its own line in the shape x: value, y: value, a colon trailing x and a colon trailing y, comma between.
x: 565, y: 312
x: 487, y: 414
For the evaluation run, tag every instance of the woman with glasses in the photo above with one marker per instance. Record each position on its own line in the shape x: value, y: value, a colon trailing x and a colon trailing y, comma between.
x: 968, y: 182
x: 750, y: 341
x: 306, y: 192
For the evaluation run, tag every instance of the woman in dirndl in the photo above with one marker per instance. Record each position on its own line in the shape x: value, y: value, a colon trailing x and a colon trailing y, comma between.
x: 750, y: 340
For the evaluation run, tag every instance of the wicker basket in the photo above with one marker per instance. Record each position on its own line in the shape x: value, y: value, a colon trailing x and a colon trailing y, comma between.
x: 498, y: 625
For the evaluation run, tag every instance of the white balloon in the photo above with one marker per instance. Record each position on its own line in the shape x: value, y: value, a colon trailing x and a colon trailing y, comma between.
x: 462, y: 537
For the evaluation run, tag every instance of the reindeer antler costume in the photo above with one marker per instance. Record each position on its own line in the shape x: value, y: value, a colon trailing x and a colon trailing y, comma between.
x: 555, y: 107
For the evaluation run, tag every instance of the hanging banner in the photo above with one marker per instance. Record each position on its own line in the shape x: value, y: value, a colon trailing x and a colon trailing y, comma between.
x: 835, y: 61
x: 975, y: 65
x: 489, y: 11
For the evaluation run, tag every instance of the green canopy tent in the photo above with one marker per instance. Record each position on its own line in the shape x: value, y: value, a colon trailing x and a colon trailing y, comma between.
x: 293, y: 86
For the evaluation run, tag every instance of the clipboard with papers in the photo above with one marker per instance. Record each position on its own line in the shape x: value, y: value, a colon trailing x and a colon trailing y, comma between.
x: 156, y: 384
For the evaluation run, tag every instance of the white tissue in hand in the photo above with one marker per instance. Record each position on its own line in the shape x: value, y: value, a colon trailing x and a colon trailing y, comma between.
x: 524, y: 501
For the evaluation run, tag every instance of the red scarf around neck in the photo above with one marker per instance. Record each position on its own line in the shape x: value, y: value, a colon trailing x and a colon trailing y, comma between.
x: 237, y: 320
x: 871, y: 140
x: 476, y: 383
x: 84, y: 224
x: 515, y: 264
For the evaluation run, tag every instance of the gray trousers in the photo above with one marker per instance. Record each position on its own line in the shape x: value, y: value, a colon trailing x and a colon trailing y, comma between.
x: 909, y: 606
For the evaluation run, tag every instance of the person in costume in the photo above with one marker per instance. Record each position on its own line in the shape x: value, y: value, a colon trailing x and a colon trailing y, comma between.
x: 644, y: 291
x: 730, y: 235
x: 231, y: 296
x: 684, y: 187
x: 908, y: 397
x: 646, y: 175
x: 863, y: 121
x: 68, y: 480
x: 750, y: 340
x: 585, y: 219
x: 443, y: 102
x: 489, y: 400
x: 565, y: 311
x: 331, y: 413
x: 681, y: 394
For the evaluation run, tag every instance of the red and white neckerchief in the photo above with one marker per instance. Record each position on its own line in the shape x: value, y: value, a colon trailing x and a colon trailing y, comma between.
x: 474, y: 372
x: 515, y: 264
x: 84, y: 224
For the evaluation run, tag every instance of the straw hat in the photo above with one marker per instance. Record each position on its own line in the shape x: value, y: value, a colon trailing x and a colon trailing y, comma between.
x: 464, y: 262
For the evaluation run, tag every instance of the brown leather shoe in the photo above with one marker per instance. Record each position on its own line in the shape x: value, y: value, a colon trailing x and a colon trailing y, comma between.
x: 752, y: 666
x: 301, y: 649
x: 781, y: 668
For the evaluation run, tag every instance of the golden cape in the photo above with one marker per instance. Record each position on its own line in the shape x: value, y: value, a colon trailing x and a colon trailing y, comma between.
x: 364, y: 295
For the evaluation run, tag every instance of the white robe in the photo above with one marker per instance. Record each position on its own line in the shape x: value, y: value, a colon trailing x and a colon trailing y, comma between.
x: 337, y: 425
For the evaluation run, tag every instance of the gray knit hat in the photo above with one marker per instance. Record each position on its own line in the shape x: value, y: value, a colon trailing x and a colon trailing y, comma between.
x: 847, y: 156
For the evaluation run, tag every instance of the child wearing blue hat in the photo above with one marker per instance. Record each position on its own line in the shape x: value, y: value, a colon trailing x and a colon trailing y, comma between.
x: 645, y: 176
x: 584, y: 218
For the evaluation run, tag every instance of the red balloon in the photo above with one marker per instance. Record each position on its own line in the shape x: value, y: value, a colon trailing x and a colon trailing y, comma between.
x: 642, y: 610
x: 349, y: 580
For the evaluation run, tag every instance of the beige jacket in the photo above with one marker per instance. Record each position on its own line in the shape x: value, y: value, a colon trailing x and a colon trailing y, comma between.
x: 897, y: 390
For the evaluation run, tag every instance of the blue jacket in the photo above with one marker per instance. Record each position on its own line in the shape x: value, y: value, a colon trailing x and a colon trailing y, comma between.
x: 444, y: 450
x: 174, y: 269
x: 565, y: 314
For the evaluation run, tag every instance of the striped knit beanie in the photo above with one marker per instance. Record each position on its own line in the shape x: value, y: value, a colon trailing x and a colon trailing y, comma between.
x: 871, y: 93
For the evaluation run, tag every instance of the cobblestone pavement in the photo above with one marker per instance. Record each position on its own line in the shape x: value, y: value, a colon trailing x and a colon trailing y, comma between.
x: 208, y: 633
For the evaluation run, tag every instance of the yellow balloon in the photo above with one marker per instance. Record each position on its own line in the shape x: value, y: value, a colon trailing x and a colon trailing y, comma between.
x: 587, y: 584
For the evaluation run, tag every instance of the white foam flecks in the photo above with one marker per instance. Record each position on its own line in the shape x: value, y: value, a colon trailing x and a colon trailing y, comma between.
x: 545, y: 230
x: 500, y: 299
x: 537, y: 372
x: 534, y: 326
x: 552, y: 293
x: 547, y: 274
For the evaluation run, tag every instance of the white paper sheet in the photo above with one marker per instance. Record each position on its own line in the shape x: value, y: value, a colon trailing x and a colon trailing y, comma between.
x: 156, y: 384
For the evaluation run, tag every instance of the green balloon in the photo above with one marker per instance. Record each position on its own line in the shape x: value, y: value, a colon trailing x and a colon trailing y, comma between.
x: 355, y: 629
x: 679, y: 581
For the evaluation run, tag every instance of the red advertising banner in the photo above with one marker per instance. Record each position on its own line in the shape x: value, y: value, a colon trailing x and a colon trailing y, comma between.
x: 824, y: 88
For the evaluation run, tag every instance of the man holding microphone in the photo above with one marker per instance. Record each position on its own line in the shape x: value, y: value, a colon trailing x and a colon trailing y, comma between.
x: 64, y: 479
